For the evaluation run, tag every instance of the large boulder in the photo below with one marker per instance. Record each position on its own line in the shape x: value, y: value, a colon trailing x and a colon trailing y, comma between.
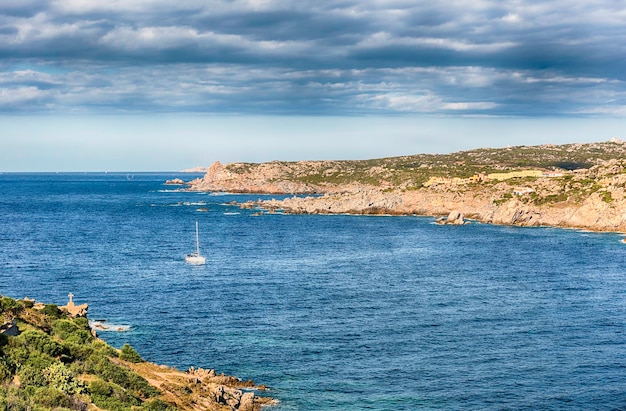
x: 175, y: 182
x: 247, y: 402
x: 455, y: 217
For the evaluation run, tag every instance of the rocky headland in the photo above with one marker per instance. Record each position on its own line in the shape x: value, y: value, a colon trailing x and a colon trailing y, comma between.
x: 573, y: 185
x: 50, y: 359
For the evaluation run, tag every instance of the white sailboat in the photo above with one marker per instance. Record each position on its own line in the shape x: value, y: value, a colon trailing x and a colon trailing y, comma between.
x: 196, y: 258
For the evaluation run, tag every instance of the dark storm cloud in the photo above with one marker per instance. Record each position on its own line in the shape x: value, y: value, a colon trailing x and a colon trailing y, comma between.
x: 339, y: 57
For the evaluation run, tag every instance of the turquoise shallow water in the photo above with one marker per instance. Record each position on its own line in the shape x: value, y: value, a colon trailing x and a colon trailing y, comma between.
x: 331, y: 312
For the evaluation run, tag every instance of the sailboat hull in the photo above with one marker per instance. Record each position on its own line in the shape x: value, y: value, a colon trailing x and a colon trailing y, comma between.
x: 195, y: 259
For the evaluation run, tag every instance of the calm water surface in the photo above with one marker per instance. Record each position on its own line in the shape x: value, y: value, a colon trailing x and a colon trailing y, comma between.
x: 331, y: 312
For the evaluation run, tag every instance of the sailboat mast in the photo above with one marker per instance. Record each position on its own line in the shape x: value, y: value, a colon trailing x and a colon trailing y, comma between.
x: 197, y: 240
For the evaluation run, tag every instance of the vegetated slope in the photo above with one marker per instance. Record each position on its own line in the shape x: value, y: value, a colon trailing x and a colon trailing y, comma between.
x: 55, y: 363
x: 406, y: 172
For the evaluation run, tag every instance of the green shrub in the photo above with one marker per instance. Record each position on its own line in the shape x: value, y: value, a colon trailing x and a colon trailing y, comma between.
x: 103, y: 349
x: 550, y: 199
x: 99, y: 387
x: 82, y: 322
x: 42, y: 342
x: 129, y: 354
x: 157, y: 405
x: 72, y: 330
x: 18, y: 354
x: 11, y: 306
x: 140, y: 386
x: 51, y: 398
x: 111, y: 396
x: 123, y: 377
x: 7, y: 369
x: 15, y: 399
x: 505, y: 197
x: 78, y: 351
x: 64, y: 328
x: 109, y: 371
x: 51, y: 310
x: 31, y: 375
x: 607, y: 197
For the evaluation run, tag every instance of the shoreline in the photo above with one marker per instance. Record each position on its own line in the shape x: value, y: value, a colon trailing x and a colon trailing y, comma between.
x: 577, y: 185
x: 513, y: 213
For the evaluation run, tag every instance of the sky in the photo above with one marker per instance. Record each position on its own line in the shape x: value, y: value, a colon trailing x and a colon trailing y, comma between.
x: 89, y: 85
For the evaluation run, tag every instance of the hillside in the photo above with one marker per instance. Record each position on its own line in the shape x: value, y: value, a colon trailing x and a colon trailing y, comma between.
x: 571, y: 185
x: 50, y: 360
x: 407, y: 172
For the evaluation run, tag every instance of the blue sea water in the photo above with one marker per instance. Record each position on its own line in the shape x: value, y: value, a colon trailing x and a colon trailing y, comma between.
x: 330, y: 312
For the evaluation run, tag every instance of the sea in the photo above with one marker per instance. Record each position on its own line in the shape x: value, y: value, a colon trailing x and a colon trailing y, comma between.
x: 330, y: 312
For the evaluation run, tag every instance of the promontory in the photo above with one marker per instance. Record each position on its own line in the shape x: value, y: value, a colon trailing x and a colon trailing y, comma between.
x: 571, y: 185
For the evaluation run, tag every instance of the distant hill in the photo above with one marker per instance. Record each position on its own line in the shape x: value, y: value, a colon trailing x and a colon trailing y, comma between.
x: 402, y: 172
x: 195, y: 170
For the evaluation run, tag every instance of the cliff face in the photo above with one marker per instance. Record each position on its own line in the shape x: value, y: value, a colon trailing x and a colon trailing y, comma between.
x: 575, y: 185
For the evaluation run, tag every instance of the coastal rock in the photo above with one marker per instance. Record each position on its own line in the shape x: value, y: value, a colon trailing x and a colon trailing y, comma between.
x: 526, y: 218
x: 455, y: 218
x: 247, y: 402
x: 175, y: 182
x: 226, y: 395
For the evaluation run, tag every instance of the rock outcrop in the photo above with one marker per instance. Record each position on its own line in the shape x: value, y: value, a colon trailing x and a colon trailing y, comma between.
x: 204, y: 388
x: 592, y: 213
x: 270, y: 178
x: 175, y: 182
x: 455, y: 218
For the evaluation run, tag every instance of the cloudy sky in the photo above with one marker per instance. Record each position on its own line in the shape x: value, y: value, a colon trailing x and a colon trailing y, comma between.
x: 162, y: 85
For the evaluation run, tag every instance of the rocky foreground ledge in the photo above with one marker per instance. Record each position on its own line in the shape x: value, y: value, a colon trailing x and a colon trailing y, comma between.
x: 50, y: 359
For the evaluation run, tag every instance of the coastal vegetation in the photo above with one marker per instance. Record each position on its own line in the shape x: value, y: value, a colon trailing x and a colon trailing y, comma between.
x: 52, y: 361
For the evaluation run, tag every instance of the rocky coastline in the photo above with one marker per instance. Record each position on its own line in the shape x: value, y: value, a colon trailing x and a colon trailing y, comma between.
x: 51, y: 359
x: 592, y: 214
x: 574, y: 186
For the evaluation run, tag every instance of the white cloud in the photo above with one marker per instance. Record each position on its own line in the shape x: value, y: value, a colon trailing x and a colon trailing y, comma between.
x: 512, y: 18
x: 121, y: 6
x: 386, y: 39
x: 405, y: 103
x: 19, y: 95
x: 479, y: 105
x: 129, y: 38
